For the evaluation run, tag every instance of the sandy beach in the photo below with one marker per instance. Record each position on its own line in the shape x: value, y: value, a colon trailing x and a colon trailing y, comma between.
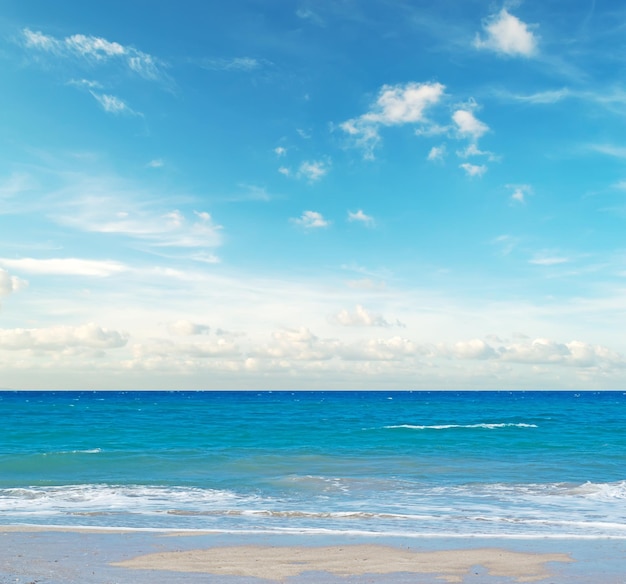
x: 64, y: 555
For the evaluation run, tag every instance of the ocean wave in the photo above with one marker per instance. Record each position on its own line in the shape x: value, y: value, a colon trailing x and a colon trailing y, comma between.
x: 63, y: 452
x: 485, y: 426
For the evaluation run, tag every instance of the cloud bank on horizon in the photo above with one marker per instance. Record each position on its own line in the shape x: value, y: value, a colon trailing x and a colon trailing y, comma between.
x: 312, y: 195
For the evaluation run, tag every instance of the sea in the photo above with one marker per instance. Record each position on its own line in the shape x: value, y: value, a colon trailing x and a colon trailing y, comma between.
x: 521, y: 464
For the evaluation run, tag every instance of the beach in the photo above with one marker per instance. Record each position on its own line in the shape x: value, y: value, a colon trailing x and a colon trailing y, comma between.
x: 305, y: 487
x: 47, y: 555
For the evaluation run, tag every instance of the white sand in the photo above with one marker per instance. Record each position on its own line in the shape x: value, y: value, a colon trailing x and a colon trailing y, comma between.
x: 279, y: 563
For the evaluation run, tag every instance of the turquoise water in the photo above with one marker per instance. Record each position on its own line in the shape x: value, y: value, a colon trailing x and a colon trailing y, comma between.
x: 394, y: 463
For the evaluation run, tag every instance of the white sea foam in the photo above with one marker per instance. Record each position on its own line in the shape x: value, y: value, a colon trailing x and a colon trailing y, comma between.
x: 470, y: 426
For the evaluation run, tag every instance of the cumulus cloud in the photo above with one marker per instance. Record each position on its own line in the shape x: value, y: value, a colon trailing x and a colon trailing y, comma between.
x: 94, y: 50
x: 393, y: 349
x: 473, y: 169
x: 280, y: 151
x: 473, y: 349
x: 186, y: 328
x: 65, y: 266
x: 507, y: 35
x: 10, y: 284
x: 361, y: 217
x: 468, y: 126
x: 538, y: 351
x: 395, y: 105
x: 299, y: 344
x: 61, y: 337
x: 313, y: 170
x: 311, y: 220
x: 360, y: 317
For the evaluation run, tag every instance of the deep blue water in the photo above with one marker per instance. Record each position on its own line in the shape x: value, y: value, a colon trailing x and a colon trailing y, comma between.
x: 406, y: 463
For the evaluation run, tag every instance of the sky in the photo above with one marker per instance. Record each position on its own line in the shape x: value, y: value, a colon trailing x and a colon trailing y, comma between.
x: 328, y: 194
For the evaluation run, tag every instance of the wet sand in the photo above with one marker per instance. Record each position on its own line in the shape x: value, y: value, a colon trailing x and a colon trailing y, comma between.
x: 90, y: 556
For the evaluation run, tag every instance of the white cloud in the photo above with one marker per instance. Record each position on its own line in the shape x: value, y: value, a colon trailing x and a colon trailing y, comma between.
x: 233, y: 64
x: 507, y: 35
x: 361, y: 217
x: 393, y: 349
x: 95, y: 47
x: 473, y: 150
x: 186, y: 328
x: 360, y: 317
x: 16, y: 184
x: 308, y: 14
x: 366, y: 284
x: 95, y: 50
x: 156, y: 163
x: 473, y: 169
x: 395, y: 105
x: 118, y: 213
x: 548, y: 260
x: 85, y: 83
x: 311, y: 220
x: 437, y: 153
x: 61, y: 337
x: 610, y: 150
x: 113, y: 105
x: 541, y: 97
x: 10, y: 284
x: 296, y: 344
x: 520, y: 192
x: 38, y: 40
x: 280, y: 151
x: 468, y: 126
x: 473, y: 349
x: 65, y: 266
x: 313, y: 170
x: 284, y: 171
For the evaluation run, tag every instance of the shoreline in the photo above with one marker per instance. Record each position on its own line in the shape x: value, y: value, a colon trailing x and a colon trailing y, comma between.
x: 57, y: 555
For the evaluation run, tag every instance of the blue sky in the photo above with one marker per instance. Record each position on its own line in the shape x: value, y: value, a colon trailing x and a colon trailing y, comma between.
x: 329, y: 194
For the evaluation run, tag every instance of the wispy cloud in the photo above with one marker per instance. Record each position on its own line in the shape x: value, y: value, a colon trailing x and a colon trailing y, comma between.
x: 548, y: 260
x: 185, y: 328
x: 117, y: 207
x: 114, y: 105
x: 93, y: 51
x: 437, y: 153
x: 609, y: 150
x: 65, y: 266
x: 507, y: 35
x: 243, y: 64
x: 541, y: 97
